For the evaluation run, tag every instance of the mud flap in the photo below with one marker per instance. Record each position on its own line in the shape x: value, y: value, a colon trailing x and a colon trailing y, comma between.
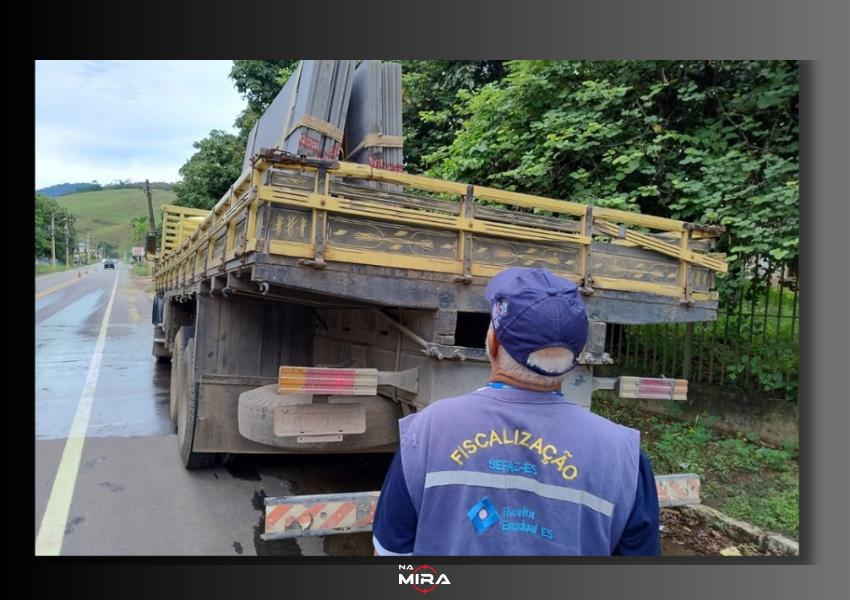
x: 322, y: 514
x: 330, y: 514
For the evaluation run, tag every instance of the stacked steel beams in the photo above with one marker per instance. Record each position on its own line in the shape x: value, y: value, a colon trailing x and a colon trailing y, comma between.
x: 373, y: 128
x: 308, y: 116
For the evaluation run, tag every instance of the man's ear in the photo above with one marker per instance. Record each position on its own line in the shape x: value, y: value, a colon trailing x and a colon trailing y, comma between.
x: 492, y: 343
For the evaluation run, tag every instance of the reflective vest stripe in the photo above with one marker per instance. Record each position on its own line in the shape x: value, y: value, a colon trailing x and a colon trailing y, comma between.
x: 515, y: 482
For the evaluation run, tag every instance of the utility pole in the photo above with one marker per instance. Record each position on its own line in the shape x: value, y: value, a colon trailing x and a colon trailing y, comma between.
x: 150, y: 242
x: 53, y: 239
x: 151, y: 222
x: 88, y: 247
x: 67, y: 239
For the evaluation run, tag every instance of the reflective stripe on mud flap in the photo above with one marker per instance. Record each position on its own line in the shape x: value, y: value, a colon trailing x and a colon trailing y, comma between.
x: 515, y: 482
x: 329, y: 514
x: 322, y: 514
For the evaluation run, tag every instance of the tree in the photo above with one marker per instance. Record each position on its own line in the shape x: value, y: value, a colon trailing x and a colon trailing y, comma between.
x: 210, y: 172
x: 430, y: 89
x: 141, y: 228
x: 259, y: 82
x: 217, y: 164
x: 705, y: 141
x: 49, y: 213
x: 109, y: 249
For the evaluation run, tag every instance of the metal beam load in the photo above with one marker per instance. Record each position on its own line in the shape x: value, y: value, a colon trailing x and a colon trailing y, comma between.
x: 307, y: 118
x: 373, y: 134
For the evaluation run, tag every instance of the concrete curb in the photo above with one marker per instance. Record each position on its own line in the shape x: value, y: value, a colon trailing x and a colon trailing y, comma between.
x: 741, y: 531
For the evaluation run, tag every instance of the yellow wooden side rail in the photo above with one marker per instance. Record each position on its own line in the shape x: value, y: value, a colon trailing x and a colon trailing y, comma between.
x: 319, y: 213
x: 178, y: 223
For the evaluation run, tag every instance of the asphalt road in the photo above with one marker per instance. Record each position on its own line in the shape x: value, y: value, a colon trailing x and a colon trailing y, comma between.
x: 108, y: 478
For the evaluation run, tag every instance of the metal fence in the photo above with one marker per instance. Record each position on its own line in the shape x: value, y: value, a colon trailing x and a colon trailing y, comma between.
x: 753, y: 344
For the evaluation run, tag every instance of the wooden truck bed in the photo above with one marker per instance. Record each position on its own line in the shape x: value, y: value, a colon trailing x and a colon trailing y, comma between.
x: 323, y: 232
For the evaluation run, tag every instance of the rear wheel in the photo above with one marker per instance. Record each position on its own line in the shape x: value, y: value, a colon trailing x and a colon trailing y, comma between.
x: 256, y: 420
x: 178, y: 373
x: 160, y: 345
x: 187, y: 415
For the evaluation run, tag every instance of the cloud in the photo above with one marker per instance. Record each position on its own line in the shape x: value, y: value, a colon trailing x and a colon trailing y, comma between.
x: 108, y: 120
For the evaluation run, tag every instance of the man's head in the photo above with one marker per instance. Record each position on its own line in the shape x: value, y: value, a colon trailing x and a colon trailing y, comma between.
x: 539, y: 319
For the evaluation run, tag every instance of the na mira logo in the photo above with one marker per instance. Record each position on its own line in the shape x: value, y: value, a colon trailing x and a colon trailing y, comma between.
x: 424, y: 578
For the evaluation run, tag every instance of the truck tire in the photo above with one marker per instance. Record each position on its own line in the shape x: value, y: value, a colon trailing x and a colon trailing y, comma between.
x: 187, y: 416
x: 178, y: 375
x: 256, y: 423
x: 160, y: 348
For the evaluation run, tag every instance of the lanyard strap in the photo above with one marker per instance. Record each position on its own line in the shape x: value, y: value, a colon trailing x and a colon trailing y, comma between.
x: 504, y: 386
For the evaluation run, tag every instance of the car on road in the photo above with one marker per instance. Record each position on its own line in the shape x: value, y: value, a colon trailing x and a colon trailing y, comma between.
x: 108, y: 264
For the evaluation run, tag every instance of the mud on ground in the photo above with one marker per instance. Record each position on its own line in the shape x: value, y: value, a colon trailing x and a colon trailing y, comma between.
x: 686, y: 536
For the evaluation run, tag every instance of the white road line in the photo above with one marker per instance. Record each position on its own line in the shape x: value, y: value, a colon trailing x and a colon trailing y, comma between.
x: 48, y: 542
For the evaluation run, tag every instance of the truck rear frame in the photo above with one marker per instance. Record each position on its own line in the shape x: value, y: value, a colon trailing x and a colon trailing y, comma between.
x: 316, y: 263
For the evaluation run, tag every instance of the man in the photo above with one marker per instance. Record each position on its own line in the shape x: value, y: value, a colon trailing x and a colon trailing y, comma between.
x: 515, y: 468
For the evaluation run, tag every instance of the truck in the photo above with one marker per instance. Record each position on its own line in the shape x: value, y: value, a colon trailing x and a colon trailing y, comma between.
x: 322, y: 300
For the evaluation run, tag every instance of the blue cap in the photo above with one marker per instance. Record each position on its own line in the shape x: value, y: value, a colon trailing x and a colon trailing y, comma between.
x: 533, y: 309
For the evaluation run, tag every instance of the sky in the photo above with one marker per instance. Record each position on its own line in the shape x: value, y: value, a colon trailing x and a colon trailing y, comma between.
x: 113, y: 120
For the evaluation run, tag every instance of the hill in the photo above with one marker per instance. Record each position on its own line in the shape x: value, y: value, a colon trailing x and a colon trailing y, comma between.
x: 107, y: 215
x: 54, y: 191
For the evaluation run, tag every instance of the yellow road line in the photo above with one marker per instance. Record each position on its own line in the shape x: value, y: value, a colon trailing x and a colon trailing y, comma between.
x: 54, y: 288
x: 48, y: 542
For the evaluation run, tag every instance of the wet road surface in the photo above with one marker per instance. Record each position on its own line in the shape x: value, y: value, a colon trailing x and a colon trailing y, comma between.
x: 109, y: 481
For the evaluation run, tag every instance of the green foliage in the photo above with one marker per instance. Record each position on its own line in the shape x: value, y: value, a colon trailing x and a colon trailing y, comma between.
x: 217, y: 162
x: 429, y: 87
x: 679, y: 447
x: 430, y: 90
x: 259, y: 82
x: 210, y: 172
x: 740, y: 475
x: 141, y: 227
x: 41, y: 269
x: 705, y: 141
x: 752, y: 345
x: 772, y: 505
x: 765, y: 352
x: 51, y: 220
x: 142, y: 269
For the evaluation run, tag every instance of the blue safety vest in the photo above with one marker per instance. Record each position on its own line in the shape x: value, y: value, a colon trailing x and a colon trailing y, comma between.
x: 516, y: 472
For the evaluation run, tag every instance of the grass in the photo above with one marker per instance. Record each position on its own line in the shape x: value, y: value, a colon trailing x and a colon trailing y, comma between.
x: 142, y: 270
x: 107, y: 215
x: 145, y: 270
x: 740, y: 475
x: 41, y: 269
